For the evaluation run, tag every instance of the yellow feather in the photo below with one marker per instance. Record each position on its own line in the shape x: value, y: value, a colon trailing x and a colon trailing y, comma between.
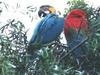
x: 52, y: 9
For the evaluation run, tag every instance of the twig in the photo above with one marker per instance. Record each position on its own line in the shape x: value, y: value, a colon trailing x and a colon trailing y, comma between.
x: 82, y: 42
x: 3, y: 27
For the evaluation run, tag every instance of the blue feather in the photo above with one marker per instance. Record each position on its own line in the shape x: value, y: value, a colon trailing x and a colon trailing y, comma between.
x: 48, y: 29
x: 74, y: 41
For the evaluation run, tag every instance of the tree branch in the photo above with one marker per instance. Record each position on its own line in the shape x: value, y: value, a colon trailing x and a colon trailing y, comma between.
x: 82, y: 42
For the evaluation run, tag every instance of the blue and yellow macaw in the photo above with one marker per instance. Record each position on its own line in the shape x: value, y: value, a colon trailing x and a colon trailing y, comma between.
x: 47, y: 30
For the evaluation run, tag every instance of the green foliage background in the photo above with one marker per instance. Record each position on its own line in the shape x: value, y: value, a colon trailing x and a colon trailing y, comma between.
x: 53, y: 59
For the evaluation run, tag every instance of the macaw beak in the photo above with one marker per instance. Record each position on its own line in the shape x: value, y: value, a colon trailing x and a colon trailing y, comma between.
x: 41, y: 13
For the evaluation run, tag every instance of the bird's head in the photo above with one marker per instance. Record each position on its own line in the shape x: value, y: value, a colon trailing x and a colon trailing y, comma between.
x: 46, y: 9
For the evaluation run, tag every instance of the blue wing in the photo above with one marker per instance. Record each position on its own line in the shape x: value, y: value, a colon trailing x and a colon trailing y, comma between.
x: 48, y: 29
x: 74, y: 41
x: 80, y: 51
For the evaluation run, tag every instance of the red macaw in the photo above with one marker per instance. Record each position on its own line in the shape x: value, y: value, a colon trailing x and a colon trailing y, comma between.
x: 74, y: 22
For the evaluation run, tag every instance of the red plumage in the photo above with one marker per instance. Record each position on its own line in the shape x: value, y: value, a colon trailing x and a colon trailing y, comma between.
x: 75, y: 19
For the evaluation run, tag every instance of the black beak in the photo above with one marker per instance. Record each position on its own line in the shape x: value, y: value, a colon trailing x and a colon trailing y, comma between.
x: 41, y: 13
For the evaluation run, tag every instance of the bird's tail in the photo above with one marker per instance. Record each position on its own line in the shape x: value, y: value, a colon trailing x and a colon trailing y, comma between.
x: 80, y: 52
x: 32, y: 53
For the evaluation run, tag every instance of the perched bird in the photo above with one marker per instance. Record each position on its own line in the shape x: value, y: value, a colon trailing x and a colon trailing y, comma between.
x: 75, y: 24
x: 46, y: 31
x: 46, y: 9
